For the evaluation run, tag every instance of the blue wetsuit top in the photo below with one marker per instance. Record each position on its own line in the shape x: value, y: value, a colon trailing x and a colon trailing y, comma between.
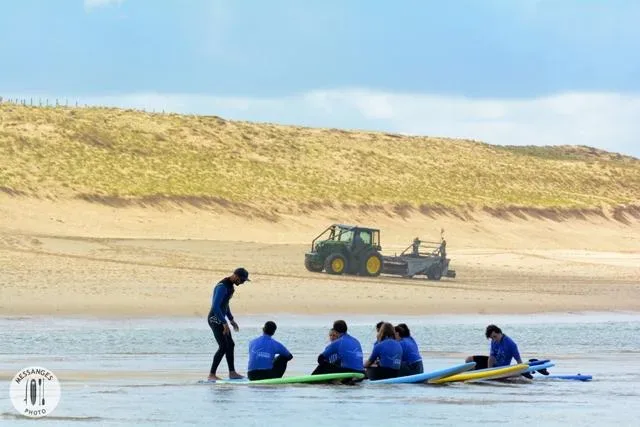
x: 222, y: 293
x: 410, y: 352
x: 389, y: 351
x: 504, y: 350
x: 348, y: 352
x: 263, y: 350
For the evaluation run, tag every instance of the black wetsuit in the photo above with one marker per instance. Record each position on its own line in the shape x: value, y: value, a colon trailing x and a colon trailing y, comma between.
x: 222, y: 293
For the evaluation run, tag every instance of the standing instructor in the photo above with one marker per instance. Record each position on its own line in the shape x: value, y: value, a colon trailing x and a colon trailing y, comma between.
x: 216, y: 318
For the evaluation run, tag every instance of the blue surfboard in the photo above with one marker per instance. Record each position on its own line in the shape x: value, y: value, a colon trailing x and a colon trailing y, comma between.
x: 578, y: 377
x: 538, y: 362
x: 538, y: 367
x: 419, y: 378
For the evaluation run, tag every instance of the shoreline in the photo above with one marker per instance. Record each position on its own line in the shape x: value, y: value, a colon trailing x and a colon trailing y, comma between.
x: 256, y: 319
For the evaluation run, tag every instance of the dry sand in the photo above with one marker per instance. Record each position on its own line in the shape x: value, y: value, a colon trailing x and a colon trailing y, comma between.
x: 72, y: 257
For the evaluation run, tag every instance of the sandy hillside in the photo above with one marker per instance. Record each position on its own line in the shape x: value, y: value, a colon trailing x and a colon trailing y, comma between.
x: 118, y: 212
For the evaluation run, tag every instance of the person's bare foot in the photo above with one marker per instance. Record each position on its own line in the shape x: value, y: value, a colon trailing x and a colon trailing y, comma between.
x: 213, y: 378
x: 235, y: 376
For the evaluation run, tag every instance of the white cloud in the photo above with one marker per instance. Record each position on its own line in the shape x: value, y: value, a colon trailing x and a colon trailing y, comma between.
x: 93, y: 4
x: 604, y: 120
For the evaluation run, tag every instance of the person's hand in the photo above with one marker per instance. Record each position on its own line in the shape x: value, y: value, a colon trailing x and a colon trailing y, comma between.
x: 225, y: 329
x: 235, y: 326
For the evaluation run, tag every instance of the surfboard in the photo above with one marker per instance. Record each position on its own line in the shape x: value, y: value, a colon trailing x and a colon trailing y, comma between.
x: 301, y: 379
x: 518, y: 376
x: 538, y: 362
x: 578, y: 377
x: 483, y: 374
x: 533, y: 368
x: 420, y: 378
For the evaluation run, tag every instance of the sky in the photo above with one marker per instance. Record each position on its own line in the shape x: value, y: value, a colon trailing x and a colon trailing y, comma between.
x: 523, y: 72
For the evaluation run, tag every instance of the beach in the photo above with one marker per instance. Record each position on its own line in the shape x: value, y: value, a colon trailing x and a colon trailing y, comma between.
x: 77, y: 258
x: 485, y: 154
x: 113, y: 300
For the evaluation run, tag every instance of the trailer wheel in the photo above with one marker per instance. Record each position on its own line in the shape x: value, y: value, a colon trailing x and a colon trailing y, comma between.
x: 335, y: 264
x: 371, y: 265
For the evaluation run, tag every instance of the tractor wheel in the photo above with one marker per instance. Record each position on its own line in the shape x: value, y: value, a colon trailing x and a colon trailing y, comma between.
x: 371, y: 264
x: 335, y: 264
x: 435, y: 272
x: 314, y: 267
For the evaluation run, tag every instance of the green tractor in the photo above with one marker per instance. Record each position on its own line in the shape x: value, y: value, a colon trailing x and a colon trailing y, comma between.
x: 346, y: 249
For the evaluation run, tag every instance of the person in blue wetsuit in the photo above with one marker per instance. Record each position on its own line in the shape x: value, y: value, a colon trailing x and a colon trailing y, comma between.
x: 378, y: 326
x: 268, y: 358
x: 344, y: 354
x: 386, y: 357
x: 411, y: 358
x: 217, y: 319
x: 502, y: 350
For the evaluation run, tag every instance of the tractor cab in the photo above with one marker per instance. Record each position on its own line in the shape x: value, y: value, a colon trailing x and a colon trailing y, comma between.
x: 347, y: 234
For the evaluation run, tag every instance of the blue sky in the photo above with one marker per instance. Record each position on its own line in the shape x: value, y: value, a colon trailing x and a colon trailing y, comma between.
x: 502, y: 71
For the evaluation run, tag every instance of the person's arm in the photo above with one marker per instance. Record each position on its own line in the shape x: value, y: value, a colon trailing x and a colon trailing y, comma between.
x: 516, y: 352
x: 218, y: 296
x: 233, y: 322
x: 492, y: 356
x: 375, y: 353
x: 284, y: 352
x: 491, y: 362
x: 325, y: 356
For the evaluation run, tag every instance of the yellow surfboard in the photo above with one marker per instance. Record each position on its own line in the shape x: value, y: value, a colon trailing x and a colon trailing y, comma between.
x: 484, y: 374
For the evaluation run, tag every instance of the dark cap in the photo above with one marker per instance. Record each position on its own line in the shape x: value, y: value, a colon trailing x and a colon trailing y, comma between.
x: 242, y: 273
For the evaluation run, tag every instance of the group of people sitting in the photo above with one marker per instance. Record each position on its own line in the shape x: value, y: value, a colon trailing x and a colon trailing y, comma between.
x: 394, y: 353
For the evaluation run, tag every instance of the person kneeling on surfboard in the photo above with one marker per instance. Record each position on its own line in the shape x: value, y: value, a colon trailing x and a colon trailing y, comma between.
x: 386, y: 357
x: 503, y: 349
x: 344, y: 354
x: 267, y: 357
x: 411, y: 358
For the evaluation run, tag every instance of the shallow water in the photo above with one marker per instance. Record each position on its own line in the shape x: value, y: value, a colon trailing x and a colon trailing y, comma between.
x: 145, y: 372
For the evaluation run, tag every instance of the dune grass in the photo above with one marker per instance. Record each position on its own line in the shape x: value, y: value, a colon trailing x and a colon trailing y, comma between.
x: 113, y: 154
